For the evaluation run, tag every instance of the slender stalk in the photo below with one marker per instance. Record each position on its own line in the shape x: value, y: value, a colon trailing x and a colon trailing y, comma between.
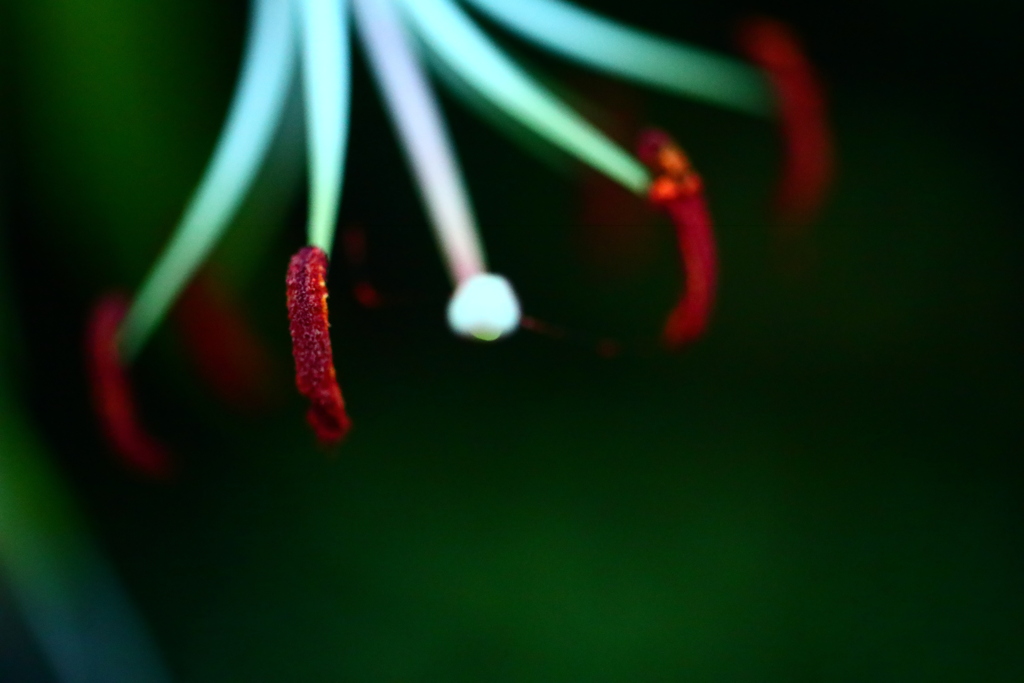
x: 326, y: 68
x: 251, y: 122
x: 420, y: 126
x: 604, y: 44
x: 469, y: 52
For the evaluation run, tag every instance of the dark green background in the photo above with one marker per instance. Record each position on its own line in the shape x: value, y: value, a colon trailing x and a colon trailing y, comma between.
x: 826, y: 488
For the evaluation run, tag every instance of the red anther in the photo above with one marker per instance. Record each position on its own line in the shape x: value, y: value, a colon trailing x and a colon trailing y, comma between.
x: 807, y: 140
x: 112, y: 395
x: 311, y: 345
x: 678, y: 189
x: 226, y: 351
x: 689, y: 319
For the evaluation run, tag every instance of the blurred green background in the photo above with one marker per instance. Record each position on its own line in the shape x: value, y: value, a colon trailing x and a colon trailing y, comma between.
x: 828, y: 487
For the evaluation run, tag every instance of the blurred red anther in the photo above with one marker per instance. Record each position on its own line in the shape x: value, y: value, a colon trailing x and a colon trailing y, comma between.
x: 112, y: 395
x: 227, y: 353
x: 807, y: 140
x: 678, y: 190
x: 311, y: 345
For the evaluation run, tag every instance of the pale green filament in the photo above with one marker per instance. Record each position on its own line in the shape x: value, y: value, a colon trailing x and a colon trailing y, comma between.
x: 255, y: 112
x: 631, y: 53
x: 327, y: 79
x: 456, y: 40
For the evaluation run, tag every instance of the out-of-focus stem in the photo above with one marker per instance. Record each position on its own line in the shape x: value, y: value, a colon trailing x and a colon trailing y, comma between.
x: 418, y: 120
x: 468, y: 52
x: 254, y: 115
x: 602, y: 43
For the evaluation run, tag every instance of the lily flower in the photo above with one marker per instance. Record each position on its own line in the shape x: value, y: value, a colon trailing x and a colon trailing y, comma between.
x: 313, y: 37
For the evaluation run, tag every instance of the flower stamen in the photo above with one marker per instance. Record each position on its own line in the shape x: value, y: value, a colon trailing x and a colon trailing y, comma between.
x: 396, y: 35
x: 678, y: 189
x: 311, y: 345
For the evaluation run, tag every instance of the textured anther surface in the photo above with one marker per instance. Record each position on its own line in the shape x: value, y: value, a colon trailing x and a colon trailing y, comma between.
x: 311, y: 344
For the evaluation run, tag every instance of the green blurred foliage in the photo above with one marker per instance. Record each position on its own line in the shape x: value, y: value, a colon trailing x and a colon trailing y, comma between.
x: 828, y: 487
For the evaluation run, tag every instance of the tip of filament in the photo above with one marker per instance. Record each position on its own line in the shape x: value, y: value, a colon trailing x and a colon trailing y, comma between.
x: 484, y: 307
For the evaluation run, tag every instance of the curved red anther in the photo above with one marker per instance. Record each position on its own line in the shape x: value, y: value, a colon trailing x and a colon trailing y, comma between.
x: 808, y: 165
x: 112, y: 396
x: 692, y: 313
x: 678, y: 189
x: 311, y: 345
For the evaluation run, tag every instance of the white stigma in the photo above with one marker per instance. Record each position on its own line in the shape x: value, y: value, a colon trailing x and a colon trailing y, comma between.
x: 484, y: 307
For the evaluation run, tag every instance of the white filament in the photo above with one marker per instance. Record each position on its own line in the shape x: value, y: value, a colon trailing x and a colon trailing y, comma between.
x: 421, y: 129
